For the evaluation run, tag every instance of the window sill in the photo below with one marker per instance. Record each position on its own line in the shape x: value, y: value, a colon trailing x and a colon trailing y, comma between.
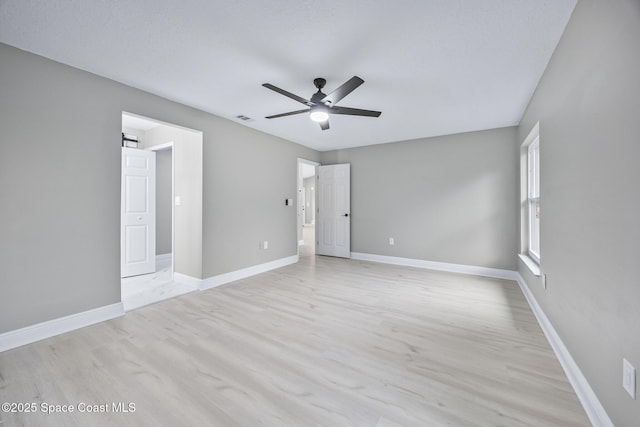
x: 531, y: 264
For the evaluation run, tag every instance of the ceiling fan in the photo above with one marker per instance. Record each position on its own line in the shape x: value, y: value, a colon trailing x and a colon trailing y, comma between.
x: 321, y: 105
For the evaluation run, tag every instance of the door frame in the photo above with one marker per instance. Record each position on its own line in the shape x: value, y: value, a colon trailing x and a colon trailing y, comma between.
x: 300, y: 221
x: 162, y: 147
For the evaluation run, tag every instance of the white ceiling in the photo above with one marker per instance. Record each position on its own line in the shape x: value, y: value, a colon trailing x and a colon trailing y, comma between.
x: 433, y: 67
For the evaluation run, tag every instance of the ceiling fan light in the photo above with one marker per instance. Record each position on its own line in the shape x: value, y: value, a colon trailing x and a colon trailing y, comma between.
x: 319, y: 114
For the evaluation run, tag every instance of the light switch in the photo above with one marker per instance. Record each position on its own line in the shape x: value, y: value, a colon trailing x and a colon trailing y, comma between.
x: 629, y: 378
x: 177, y: 200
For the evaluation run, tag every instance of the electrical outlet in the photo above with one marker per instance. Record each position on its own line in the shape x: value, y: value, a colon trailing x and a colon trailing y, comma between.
x: 629, y: 378
x: 392, y: 241
x: 265, y: 245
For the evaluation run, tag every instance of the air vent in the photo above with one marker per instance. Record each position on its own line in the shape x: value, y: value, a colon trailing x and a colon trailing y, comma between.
x: 244, y: 118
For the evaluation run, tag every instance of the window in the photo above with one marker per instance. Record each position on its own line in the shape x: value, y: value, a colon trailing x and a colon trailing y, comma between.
x: 530, y: 201
x: 533, y: 199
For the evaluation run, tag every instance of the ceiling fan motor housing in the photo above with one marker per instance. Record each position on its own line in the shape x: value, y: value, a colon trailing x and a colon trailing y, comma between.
x: 318, y: 96
x: 321, y: 105
x: 319, y: 82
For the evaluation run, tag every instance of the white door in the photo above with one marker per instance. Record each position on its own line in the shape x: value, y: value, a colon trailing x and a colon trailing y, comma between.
x: 303, y: 204
x: 334, y: 211
x: 138, y: 208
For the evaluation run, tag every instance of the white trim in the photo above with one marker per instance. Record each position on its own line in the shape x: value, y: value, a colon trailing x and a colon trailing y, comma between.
x: 48, y: 329
x: 232, y: 276
x: 531, y: 264
x: 434, y: 265
x: 533, y: 134
x: 308, y: 162
x: 592, y: 406
x: 160, y: 122
x: 530, y: 192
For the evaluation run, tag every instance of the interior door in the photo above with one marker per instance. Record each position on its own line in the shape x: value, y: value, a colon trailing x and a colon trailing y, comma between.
x: 138, y: 209
x: 334, y: 211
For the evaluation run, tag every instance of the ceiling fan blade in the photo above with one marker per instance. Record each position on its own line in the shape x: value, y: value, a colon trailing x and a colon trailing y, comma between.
x: 354, y: 112
x: 287, y: 94
x: 324, y: 125
x: 290, y: 113
x: 343, y: 90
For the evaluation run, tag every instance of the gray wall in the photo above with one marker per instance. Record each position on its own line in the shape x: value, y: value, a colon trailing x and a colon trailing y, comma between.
x: 163, y: 201
x: 448, y: 199
x: 248, y: 176
x: 588, y: 105
x: 60, y: 169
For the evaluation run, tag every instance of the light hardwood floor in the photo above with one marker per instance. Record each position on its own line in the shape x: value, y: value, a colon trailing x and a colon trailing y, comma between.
x: 325, y: 342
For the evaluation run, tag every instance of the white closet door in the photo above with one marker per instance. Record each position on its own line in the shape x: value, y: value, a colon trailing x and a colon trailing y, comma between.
x: 334, y: 210
x: 138, y: 209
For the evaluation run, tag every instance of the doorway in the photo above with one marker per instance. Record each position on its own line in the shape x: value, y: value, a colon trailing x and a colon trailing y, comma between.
x: 170, y: 231
x: 306, y: 205
x: 165, y: 175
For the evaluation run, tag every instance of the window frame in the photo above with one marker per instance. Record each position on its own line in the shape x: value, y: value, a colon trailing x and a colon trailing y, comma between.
x: 530, y: 201
x: 533, y: 199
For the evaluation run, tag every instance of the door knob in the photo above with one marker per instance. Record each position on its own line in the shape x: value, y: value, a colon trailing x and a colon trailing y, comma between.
x: 139, y: 218
x: 346, y: 214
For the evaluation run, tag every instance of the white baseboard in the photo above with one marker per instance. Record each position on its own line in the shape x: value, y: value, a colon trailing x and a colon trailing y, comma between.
x: 221, y: 279
x: 434, y: 265
x: 592, y: 406
x: 40, y: 331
